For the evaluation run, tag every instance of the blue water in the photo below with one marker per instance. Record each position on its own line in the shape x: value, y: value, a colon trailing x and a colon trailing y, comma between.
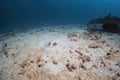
x: 22, y: 14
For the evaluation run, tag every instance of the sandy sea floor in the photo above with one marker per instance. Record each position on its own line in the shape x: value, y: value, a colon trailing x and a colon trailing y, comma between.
x: 60, y: 53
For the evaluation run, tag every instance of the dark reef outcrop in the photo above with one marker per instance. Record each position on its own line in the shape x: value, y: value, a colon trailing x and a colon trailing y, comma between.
x: 110, y: 23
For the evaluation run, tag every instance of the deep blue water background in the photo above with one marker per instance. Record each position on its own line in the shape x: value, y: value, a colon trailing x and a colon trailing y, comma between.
x: 23, y: 14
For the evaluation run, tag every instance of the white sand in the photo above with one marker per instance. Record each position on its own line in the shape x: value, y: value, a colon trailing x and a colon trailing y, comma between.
x: 60, y: 53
